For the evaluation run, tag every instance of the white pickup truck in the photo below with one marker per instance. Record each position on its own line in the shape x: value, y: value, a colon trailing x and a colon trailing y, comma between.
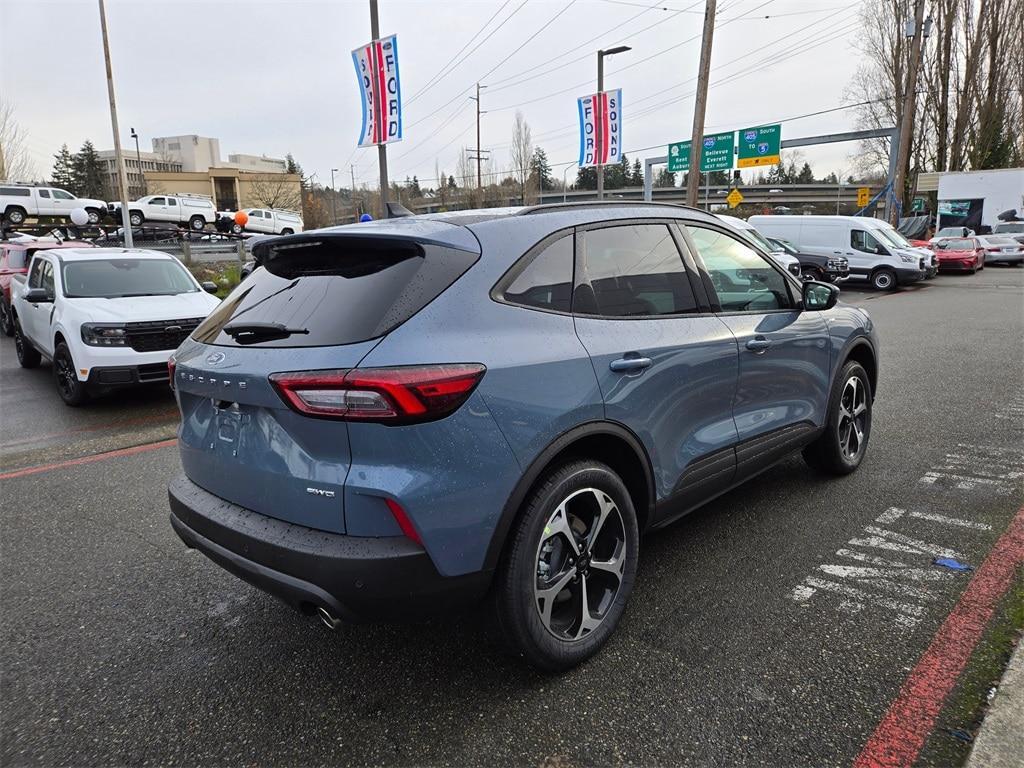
x: 195, y: 210
x: 270, y: 221
x: 106, y: 317
x: 20, y: 201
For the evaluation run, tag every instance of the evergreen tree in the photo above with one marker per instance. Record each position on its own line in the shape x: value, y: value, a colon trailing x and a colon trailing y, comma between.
x: 665, y: 178
x: 586, y: 178
x: 806, y: 175
x: 63, y: 175
x: 637, y: 179
x: 718, y: 178
x: 541, y: 169
x: 89, y: 173
x: 451, y: 183
x: 290, y: 166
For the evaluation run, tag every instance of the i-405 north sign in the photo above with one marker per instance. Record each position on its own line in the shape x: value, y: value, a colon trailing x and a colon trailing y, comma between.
x: 759, y: 146
x: 715, y: 153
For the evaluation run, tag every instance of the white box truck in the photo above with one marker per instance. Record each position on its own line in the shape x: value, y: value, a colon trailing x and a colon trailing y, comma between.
x: 974, y: 199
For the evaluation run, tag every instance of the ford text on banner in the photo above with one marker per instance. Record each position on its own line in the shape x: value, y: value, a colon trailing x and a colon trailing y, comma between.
x: 600, y: 128
x: 377, y: 69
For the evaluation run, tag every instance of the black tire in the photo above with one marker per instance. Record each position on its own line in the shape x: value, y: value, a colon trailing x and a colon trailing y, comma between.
x: 813, y: 273
x: 287, y: 231
x: 884, y: 279
x: 573, y: 495
x: 28, y: 356
x: 94, y: 216
x: 135, y: 218
x: 71, y: 390
x: 16, y: 216
x: 6, y: 319
x: 236, y: 229
x: 197, y: 223
x: 833, y: 452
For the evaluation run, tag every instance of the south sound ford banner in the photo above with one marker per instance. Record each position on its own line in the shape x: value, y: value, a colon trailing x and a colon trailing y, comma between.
x: 600, y: 128
x: 377, y: 69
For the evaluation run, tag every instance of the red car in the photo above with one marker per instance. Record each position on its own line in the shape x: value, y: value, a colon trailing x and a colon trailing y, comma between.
x: 960, y: 254
x: 14, y: 259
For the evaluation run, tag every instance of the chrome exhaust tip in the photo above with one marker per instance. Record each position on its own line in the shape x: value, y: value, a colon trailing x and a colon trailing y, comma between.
x: 329, y: 620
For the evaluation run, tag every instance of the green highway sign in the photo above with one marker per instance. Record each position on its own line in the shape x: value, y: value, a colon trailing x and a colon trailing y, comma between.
x: 679, y: 156
x: 760, y: 146
x: 716, y: 152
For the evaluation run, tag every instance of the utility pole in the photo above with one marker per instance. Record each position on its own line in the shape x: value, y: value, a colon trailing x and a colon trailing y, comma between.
x: 699, y: 108
x: 479, y: 156
x: 122, y: 174
x: 352, y: 170
x: 334, y: 204
x: 600, y: 89
x: 907, y: 115
x: 382, y: 149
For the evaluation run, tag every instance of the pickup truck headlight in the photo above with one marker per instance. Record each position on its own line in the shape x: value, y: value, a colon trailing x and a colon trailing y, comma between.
x: 908, y: 259
x: 104, y: 335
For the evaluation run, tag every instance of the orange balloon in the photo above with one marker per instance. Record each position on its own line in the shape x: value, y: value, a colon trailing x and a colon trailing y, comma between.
x: 241, y: 218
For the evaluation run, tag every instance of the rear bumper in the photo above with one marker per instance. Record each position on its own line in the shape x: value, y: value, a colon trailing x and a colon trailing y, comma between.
x: 355, y: 578
x: 995, y: 258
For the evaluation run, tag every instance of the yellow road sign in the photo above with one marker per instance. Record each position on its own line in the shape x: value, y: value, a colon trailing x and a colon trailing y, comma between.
x: 734, y: 198
x: 863, y: 197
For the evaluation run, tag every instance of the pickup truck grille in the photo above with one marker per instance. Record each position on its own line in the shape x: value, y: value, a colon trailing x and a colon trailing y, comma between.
x: 160, y: 334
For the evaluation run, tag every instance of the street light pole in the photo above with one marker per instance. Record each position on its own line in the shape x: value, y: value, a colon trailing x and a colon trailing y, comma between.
x: 600, y: 89
x: 700, y: 107
x: 334, y: 195
x: 565, y: 184
x: 126, y: 224
x: 138, y: 160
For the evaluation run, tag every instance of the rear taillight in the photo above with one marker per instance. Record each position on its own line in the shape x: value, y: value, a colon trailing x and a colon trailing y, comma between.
x: 171, y: 365
x: 404, y: 395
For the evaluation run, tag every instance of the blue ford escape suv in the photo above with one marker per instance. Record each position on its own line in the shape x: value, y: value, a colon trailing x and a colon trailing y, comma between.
x: 392, y: 418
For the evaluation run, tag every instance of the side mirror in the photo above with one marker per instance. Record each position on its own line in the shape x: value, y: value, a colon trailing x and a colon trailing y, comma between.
x: 819, y: 296
x: 209, y: 286
x: 38, y: 296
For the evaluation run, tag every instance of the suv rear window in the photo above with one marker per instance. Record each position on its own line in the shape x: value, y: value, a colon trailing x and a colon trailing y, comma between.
x: 331, y: 291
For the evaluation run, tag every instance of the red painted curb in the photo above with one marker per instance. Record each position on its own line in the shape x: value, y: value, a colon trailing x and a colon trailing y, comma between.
x: 911, y: 717
x: 87, y: 459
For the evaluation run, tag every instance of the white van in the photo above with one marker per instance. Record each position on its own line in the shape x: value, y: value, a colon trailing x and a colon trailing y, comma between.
x: 876, y: 252
x: 272, y: 221
x: 790, y: 263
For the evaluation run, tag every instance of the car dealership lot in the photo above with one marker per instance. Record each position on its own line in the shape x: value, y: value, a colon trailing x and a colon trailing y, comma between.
x: 121, y: 646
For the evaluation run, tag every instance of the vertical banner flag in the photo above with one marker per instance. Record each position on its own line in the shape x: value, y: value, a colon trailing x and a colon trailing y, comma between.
x: 600, y: 128
x: 377, y: 69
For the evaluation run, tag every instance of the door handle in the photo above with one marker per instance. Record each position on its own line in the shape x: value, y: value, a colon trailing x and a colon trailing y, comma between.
x: 625, y: 364
x: 758, y: 345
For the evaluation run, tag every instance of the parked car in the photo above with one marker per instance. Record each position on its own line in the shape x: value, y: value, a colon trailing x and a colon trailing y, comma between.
x: 14, y: 259
x: 861, y: 240
x: 1014, y: 229
x: 106, y: 317
x: 353, y: 445
x: 944, y: 232
x: 828, y: 269
x: 20, y: 201
x: 789, y: 263
x: 270, y: 221
x: 960, y: 254
x: 195, y: 210
x: 1002, y: 249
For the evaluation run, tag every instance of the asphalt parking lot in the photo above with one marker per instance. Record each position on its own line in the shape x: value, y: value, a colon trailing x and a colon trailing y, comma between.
x: 751, y: 638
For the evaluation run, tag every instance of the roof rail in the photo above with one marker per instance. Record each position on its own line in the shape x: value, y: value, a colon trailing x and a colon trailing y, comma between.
x: 544, y: 208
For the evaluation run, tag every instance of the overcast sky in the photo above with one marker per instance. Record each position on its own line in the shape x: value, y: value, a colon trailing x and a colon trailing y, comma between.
x: 272, y: 78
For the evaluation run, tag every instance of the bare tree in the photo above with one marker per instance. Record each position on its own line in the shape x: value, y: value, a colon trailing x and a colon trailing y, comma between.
x: 522, y: 151
x: 275, y: 190
x: 15, y: 162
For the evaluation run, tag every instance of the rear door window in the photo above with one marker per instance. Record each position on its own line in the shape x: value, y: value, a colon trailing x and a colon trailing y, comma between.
x: 633, y: 271
x: 331, y: 291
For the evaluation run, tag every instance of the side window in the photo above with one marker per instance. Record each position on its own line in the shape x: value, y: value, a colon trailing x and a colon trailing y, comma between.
x: 171, y: 201
x: 743, y: 279
x: 158, y: 201
x: 60, y: 194
x: 633, y: 271
x: 47, y: 278
x: 35, y: 278
x: 865, y: 242
x: 16, y: 259
x: 44, y: 193
x: 546, y: 282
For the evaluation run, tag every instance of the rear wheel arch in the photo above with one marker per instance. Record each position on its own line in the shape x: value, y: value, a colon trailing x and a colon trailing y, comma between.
x: 607, y: 442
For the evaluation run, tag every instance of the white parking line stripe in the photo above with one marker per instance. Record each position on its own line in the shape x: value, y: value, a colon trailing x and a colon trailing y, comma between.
x: 920, y: 546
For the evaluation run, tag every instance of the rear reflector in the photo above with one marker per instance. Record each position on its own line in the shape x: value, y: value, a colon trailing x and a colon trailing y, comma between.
x: 403, y: 395
x: 403, y: 521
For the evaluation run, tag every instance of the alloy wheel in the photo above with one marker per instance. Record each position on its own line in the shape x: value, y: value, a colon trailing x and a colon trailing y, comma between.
x: 853, y: 413
x: 66, y: 379
x: 581, y: 559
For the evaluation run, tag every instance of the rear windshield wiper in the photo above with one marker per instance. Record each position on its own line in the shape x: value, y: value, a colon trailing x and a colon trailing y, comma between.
x: 248, y: 333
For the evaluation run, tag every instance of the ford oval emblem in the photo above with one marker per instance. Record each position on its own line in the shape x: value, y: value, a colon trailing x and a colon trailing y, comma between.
x: 215, y: 357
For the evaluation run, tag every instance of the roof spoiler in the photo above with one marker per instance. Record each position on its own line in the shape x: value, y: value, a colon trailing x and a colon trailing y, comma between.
x: 398, y: 211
